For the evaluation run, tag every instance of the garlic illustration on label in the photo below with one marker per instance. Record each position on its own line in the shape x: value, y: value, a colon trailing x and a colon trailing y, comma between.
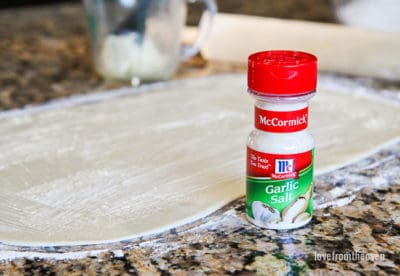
x: 294, y: 209
x: 295, y: 212
x: 264, y: 213
x: 302, y: 217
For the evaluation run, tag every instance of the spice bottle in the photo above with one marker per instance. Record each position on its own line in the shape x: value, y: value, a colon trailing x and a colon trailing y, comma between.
x: 280, y: 150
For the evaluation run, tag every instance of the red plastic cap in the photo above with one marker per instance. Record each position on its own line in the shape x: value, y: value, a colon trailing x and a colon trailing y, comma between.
x: 281, y: 72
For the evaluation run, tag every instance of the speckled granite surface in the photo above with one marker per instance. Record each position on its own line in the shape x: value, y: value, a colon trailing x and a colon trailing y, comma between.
x: 45, y: 55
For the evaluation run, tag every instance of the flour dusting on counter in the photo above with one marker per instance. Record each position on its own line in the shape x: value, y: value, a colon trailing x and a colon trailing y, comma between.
x: 103, y: 180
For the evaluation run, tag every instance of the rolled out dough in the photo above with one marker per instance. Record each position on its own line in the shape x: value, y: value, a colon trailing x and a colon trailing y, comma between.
x: 133, y: 165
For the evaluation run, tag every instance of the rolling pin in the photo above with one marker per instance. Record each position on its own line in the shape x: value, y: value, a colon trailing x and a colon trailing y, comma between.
x: 341, y: 49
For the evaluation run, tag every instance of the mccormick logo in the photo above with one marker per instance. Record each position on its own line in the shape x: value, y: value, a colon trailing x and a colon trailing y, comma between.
x: 276, y: 122
x: 284, y: 168
x: 281, y: 121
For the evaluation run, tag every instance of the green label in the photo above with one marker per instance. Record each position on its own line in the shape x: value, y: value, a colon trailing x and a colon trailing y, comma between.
x: 280, y: 203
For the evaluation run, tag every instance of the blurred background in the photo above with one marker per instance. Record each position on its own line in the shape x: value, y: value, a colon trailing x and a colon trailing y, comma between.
x: 45, y: 51
x: 314, y: 10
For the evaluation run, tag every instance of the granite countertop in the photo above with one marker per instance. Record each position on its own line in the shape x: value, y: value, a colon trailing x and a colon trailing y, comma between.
x: 44, y: 55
